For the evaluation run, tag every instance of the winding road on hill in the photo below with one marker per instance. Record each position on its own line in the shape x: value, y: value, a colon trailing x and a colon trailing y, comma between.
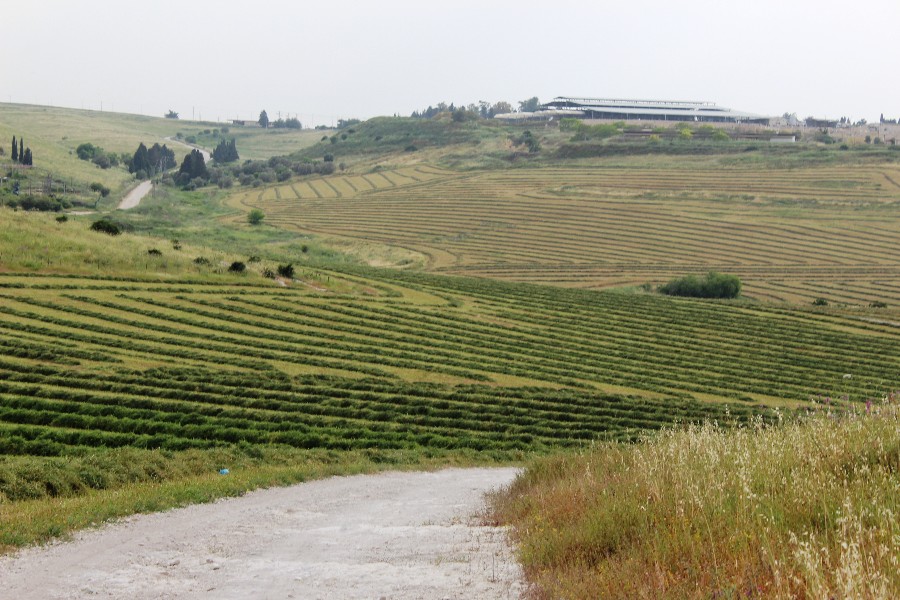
x: 389, y: 535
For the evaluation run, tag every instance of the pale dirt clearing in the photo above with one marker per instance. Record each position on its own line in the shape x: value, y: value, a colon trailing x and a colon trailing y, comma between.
x: 390, y: 535
x: 134, y: 197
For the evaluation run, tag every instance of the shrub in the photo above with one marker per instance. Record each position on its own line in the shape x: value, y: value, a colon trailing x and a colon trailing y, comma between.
x: 104, y: 225
x: 820, y: 302
x: 876, y: 304
x: 154, y: 252
x: 256, y: 216
x: 286, y: 271
x: 62, y: 219
x: 713, y: 285
x: 202, y: 260
x: 237, y: 267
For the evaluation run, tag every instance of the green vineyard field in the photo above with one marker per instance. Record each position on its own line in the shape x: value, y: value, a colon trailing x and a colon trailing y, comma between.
x: 417, y: 361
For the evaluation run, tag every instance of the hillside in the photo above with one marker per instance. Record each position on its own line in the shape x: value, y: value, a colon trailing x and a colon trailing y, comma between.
x: 146, y: 357
x: 792, y: 235
x: 54, y: 134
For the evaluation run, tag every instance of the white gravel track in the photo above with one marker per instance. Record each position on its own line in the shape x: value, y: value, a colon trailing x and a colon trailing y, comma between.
x: 134, y: 197
x: 389, y: 535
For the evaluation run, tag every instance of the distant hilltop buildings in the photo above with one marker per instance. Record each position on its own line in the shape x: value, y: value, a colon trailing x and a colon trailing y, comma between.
x: 640, y: 110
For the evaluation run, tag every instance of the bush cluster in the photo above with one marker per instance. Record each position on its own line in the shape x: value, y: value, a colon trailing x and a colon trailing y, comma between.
x: 104, y: 225
x: 713, y: 285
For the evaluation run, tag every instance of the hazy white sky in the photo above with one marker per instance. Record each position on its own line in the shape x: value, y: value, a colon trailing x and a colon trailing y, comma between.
x: 330, y: 59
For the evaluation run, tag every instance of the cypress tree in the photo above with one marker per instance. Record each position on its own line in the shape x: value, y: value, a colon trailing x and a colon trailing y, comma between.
x: 140, y: 161
x: 27, y: 159
x: 15, y: 154
x: 21, y: 150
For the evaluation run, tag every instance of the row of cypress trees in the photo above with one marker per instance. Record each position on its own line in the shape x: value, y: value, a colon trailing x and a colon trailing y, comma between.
x: 20, y: 153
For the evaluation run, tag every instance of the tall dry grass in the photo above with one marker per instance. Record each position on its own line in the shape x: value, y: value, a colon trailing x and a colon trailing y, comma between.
x: 803, y: 509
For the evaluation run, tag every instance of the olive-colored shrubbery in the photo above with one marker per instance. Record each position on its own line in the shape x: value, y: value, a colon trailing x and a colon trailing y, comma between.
x: 713, y: 285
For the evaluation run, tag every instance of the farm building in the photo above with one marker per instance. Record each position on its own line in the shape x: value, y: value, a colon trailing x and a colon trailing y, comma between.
x: 647, y: 110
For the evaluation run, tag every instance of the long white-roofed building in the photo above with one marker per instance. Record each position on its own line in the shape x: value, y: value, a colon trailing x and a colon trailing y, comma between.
x: 646, y: 110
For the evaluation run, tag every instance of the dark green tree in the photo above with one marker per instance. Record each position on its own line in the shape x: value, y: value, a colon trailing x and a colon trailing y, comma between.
x: 28, y: 159
x: 140, y: 161
x: 530, y: 105
x: 264, y: 120
x: 15, y: 154
x: 225, y: 152
x: 160, y: 159
x: 21, y: 149
x: 193, y: 167
x: 86, y: 151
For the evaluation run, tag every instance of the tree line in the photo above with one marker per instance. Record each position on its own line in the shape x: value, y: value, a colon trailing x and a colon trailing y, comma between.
x: 481, y: 109
x: 20, y: 153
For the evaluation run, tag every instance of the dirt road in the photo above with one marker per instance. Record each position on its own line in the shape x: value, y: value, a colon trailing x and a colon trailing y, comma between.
x: 391, y: 535
x: 206, y: 155
x: 134, y: 197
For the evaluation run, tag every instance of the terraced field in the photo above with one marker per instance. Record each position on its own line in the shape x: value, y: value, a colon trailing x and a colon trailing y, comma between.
x: 412, y: 361
x: 791, y: 234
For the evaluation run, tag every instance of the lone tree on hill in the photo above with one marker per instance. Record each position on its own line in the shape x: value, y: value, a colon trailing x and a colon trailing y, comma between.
x: 171, y: 114
x: 15, y: 154
x: 264, y: 120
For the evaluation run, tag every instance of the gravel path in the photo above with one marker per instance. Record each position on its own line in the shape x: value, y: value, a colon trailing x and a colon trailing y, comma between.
x: 134, y: 197
x: 390, y: 535
x: 206, y: 155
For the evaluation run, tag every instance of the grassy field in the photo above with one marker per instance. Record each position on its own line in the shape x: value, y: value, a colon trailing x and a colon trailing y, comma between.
x: 792, y: 235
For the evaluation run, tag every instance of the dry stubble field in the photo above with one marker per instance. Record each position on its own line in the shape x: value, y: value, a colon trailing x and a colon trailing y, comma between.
x: 792, y: 235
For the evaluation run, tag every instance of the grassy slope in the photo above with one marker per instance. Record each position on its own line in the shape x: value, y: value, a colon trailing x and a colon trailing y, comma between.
x: 54, y: 133
x: 805, y: 510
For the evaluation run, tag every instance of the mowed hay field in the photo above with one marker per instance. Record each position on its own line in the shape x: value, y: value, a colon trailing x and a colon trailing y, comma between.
x: 401, y: 360
x: 792, y: 235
